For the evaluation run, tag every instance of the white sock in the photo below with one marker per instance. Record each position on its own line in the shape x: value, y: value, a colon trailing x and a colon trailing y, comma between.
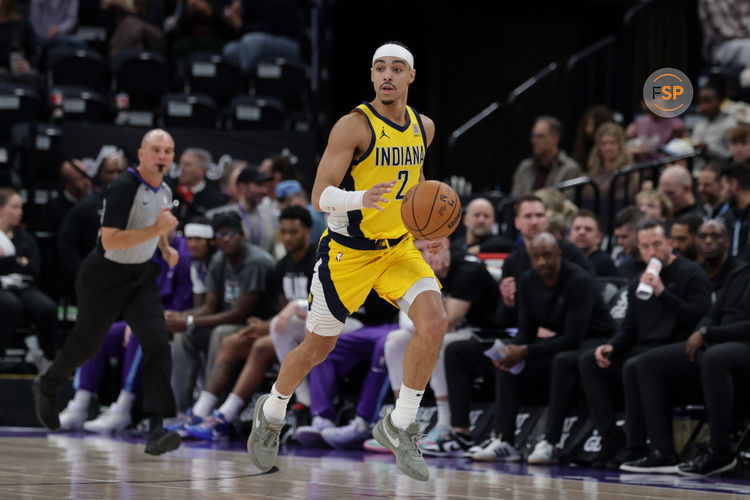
x: 407, y: 405
x: 206, y: 402
x: 82, y: 398
x: 275, y: 406
x: 444, y: 413
x: 125, y: 401
x: 231, y: 406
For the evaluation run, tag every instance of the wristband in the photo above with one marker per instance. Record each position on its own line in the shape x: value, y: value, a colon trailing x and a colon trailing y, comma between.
x: 333, y: 199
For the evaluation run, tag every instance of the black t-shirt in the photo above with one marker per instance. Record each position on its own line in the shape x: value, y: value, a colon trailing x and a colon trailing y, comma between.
x: 602, y: 263
x: 573, y: 309
x: 469, y: 280
x: 729, y: 318
x: 79, y: 231
x: 671, y: 316
x: 293, y: 278
x: 631, y: 267
x: 717, y: 282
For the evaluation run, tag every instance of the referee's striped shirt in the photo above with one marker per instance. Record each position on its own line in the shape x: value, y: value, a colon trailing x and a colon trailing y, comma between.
x: 131, y: 203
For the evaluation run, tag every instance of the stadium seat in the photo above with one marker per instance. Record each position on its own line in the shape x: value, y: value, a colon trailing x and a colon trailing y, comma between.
x: 78, y: 67
x: 18, y: 103
x: 142, y: 76
x: 43, y: 173
x: 248, y: 112
x: 281, y: 78
x: 83, y: 104
x: 189, y: 110
x: 213, y: 75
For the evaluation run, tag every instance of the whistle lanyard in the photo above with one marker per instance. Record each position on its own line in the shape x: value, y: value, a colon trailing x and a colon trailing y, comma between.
x: 254, y: 237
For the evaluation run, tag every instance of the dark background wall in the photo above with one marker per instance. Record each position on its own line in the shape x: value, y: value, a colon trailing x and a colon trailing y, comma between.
x: 467, y: 54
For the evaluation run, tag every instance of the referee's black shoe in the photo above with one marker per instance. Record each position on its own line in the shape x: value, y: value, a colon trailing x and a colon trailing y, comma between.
x: 45, y: 403
x: 161, y: 441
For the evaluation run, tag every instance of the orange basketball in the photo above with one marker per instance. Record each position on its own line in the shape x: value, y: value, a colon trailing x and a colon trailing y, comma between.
x: 431, y: 210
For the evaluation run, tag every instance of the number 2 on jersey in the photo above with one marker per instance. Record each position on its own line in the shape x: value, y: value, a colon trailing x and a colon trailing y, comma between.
x: 402, y: 174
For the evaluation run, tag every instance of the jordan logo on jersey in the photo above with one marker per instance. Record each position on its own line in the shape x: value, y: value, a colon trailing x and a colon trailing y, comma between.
x: 383, y: 134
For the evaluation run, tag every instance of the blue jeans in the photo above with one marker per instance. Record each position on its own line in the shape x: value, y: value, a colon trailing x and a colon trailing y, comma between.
x: 254, y: 46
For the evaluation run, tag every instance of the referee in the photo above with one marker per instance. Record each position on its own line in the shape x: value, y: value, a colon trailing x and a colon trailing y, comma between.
x: 118, y: 279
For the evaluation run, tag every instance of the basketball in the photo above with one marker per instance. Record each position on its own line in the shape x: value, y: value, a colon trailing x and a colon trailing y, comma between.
x: 431, y: 210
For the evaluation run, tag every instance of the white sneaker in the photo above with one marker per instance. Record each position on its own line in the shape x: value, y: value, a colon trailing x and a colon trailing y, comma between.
x: 497, y: 451
x: 543, y: 453
x: 112, y: 420
x: 73, y: 417
x: 310, y: 436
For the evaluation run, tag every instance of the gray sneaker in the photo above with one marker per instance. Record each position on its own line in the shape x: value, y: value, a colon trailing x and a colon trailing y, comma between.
x: 263, y: 443
x: 404, y: 445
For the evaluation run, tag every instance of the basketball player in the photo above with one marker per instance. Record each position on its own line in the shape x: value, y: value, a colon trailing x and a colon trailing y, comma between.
x: 374, y: 155
x: 118, y: 279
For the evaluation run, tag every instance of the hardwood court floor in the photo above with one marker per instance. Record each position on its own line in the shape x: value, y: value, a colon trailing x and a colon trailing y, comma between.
x: 72, y: 466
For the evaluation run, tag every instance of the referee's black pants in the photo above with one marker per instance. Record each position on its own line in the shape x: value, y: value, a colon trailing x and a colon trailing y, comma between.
x: 107, y: 291
x: 663, y: 371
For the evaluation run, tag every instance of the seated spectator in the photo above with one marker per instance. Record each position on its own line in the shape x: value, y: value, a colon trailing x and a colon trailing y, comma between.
x: 20, y: 265
x: 238, y: 284
x: 676, y: 182
x: 586, y: 234
x: 251, y: 347
x: 18, y: 49
x: 471, y: 297
x: 709, y: 189
x: 278, y: 168
x: 560, y: 311
x: 199, y: 236
x: 80, y: 226
x: 135, y: 25
x: 76, y: 185
x: 713, y: 248
x: 291, y: 194
x: 654, y: 204
x: 560, y: 210
x: 584, y: 141
x: 609, y: 155
x: 262, y: 29
x: 258, y: 223
x: 681, y: 296
x: 715, y: 354
x: 479, y: 220
x: 366, y: 344
x: 193, y: 197
x: 649, y: 132
x: 739, y: 143
x: 201, y: 26
x: 120, y: 344
x: 53, y: 22
x: 710, y: 132
x: 530, y: 220
x: 549, y: 165
x: 629, y: 262
x: 735, y: 184
x: 682, y: 236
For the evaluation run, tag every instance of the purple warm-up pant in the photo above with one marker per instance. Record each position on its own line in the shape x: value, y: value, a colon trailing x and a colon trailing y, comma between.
x: 367, y: 343
x: 90, y: 374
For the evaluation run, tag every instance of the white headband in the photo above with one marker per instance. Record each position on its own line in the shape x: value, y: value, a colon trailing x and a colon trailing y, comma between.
x: 393, y: 50
x: 194, y: 230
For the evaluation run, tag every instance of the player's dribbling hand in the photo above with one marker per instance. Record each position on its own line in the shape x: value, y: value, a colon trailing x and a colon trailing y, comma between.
x: 165, y: 222
x: 602, y: 355
x: 374, y: 196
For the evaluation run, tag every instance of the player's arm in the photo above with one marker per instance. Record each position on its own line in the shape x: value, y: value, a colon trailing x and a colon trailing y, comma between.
x: 349, y: 135
x: 429, y: 132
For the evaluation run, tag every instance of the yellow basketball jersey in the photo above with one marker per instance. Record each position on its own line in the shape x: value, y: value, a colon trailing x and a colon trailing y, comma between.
x: 396, y: 153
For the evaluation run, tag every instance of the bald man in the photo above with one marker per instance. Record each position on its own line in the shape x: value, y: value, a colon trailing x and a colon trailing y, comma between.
x: 118, y: 279
x: 675, y: 182
x: 559, y: 307
x: 479, y: 220
x: 713, y: 244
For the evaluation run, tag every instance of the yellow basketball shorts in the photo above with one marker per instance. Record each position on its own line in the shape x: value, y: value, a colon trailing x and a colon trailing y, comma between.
x: 348, y: 268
